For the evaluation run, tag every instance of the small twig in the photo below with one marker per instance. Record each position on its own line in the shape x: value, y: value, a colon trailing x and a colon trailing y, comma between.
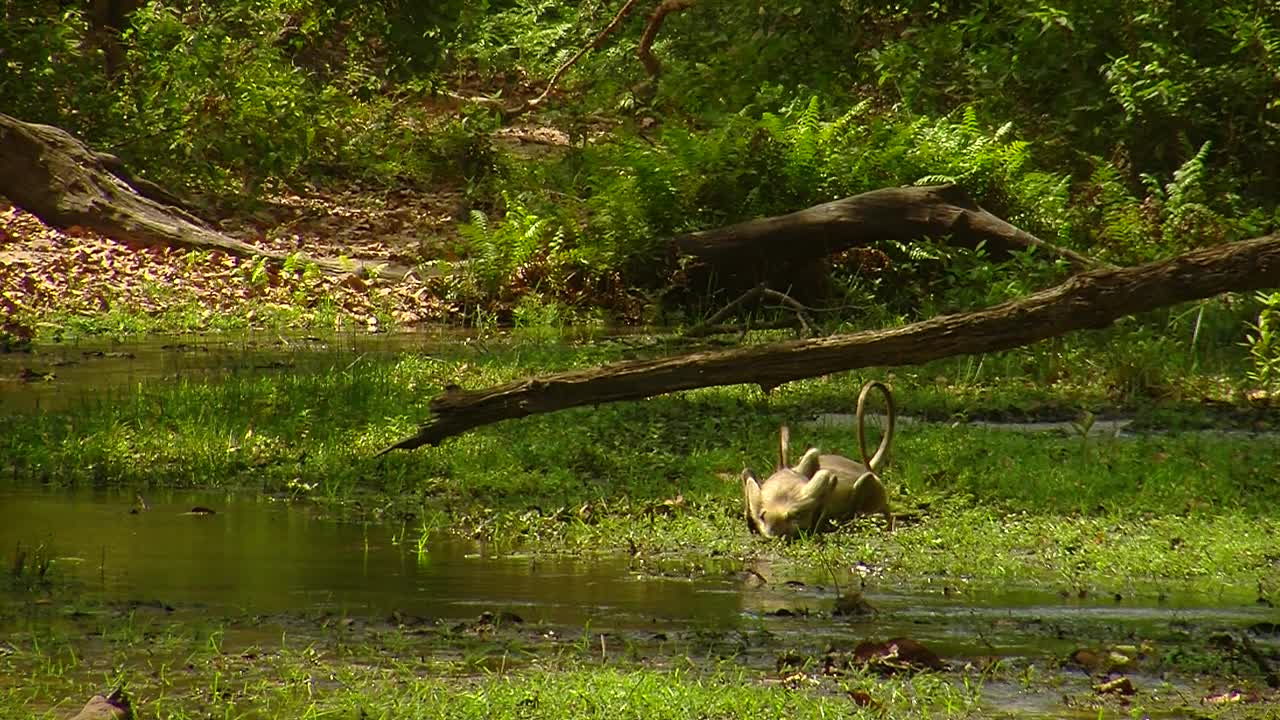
x: 353, y: 362
x: 795, y: 305
x: 477, y: 99
x: 709, y: 330
x: 746, y: 297
x: 713, y: 326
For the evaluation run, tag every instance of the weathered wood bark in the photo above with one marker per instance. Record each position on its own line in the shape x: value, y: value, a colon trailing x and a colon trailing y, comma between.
x: 1089, y: 300
x: 778, y: 250
x: 52, y: 175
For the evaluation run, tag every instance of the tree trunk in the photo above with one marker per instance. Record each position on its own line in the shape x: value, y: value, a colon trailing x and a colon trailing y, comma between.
x: 108, y: 19
x: 52, y: 175
x: 1086, y: 301
x: 781, y: 250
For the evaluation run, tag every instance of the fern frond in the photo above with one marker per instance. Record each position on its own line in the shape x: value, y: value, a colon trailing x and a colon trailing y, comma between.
x: 936, y: 180
x: 1186, y: 185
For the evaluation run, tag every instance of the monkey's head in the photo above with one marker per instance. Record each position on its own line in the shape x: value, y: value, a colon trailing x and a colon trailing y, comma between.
x: 788, y: 502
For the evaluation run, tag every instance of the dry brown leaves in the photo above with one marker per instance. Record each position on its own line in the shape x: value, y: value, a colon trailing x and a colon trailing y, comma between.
x: 46, y: 271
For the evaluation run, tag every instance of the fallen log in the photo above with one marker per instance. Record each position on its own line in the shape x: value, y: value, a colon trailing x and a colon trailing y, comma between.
x: 1090, y: 300
x: 52, y: 175
x: 780, y: 250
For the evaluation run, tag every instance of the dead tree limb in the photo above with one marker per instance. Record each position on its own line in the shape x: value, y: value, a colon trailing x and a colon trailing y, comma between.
x: 779, y: 250
x: 796, y: 306
x: 644, y: 50
x: 1087, y: 301
x: 52, y: 175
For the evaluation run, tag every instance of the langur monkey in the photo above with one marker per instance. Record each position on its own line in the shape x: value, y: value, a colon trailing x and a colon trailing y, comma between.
x: 820, y: 488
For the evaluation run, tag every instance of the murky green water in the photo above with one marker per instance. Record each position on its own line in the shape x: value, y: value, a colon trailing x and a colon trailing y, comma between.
x: 55, y: 376
x: 258, y: 555
x: 262, y: 556
x: 274, y: 564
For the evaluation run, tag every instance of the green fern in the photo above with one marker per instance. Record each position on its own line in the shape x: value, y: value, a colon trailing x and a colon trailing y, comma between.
x: 936, y: 180
x: 1188, y: 180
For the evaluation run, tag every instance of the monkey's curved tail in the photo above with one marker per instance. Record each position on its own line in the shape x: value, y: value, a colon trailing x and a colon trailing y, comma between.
x: 875, y: 462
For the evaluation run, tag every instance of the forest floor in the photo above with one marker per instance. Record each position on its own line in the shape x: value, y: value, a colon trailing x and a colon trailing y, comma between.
x: 46, y: 272
x: 80, y: 275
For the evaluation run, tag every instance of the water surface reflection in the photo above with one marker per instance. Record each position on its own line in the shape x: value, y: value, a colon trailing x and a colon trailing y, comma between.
x: 257, y: 555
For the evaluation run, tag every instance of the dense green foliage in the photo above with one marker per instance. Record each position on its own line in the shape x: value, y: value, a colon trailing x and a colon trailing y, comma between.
x: 226, y: 96
x: 237, y: 92
x: 1126, y: 130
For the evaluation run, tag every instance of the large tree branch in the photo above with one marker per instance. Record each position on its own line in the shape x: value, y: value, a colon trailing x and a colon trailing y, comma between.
x: 1090, y: 300
x: 644, y: 49
x: 774, y: 249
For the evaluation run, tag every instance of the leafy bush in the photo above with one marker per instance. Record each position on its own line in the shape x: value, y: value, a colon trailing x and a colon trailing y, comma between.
x: 1155, y: 120
x: 1263, y: 342
x: 231, y: 95
x: 1153, y: 82
x: 615, y: 202
x: 48, y: 73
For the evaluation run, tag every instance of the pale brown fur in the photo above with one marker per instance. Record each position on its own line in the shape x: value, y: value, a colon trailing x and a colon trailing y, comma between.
x: 821, y: 487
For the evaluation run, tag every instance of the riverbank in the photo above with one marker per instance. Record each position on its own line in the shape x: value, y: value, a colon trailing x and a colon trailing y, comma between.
x: 1093, y: 531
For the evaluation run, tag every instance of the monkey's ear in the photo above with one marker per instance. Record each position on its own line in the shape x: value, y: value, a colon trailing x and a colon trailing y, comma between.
x: 750, y: 500
x: 808, y: 464
x: 784, y: 444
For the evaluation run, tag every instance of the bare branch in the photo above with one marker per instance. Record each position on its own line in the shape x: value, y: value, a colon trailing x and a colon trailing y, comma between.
x: 643, y: 50
x: 560, y: 71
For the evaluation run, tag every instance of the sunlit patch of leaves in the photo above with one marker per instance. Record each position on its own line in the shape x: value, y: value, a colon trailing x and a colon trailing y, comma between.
x: 105, y: 285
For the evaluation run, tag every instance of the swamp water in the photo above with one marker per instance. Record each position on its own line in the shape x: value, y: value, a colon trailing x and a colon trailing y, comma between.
x: 56, y: 376
x: 271, y: 561
x: 267, y: 569
x: 262, y: 556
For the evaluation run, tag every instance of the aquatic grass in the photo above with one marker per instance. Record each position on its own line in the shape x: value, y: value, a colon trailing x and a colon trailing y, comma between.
x: 292, y: 665
x: 661, y: 477
x: 619, y: 693
x: 360, y: 676
x: 1110, y: 553
x: 1049, y: 472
